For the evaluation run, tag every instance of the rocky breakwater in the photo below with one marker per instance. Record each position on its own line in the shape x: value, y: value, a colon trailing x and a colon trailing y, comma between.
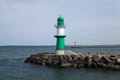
x: 88, y: 60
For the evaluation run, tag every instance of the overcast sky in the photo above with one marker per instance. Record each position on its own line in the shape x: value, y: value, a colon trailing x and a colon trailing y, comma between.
x: 31, y: 22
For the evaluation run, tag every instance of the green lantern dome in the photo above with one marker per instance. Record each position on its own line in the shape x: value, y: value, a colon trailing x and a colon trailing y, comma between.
x: 60, y: 21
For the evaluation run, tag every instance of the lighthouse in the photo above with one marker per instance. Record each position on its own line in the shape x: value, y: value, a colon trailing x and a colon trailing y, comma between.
x: 60, y: 43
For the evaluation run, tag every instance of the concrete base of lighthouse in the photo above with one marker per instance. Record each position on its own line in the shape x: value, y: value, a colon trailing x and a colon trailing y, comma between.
x: 65, y: 52
x: 60, y: 52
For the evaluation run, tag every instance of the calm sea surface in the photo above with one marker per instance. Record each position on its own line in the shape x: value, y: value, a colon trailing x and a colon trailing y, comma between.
x: 12, y: 66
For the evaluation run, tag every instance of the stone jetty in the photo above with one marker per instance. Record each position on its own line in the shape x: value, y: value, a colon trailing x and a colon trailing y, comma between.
x: 79, y: 60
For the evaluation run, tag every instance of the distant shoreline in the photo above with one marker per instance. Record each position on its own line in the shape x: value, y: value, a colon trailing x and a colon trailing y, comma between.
x: 79, y: 46
x: 98, y: 46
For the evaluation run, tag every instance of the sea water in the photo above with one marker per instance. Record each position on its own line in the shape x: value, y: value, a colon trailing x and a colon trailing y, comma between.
x: 12, y: 66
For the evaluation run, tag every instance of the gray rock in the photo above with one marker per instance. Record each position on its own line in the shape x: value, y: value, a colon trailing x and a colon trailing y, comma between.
x: 88, y: 60
x: 64, y: 65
